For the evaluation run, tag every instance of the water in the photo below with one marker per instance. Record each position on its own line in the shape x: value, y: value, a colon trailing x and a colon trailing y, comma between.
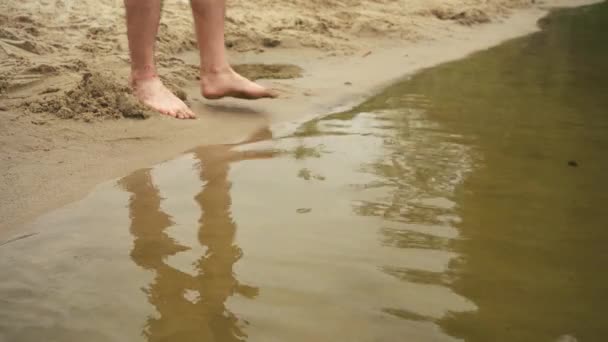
x: 464, y: 204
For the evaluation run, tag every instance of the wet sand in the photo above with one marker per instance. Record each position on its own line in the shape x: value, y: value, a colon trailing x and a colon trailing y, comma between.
x: 47, y: 161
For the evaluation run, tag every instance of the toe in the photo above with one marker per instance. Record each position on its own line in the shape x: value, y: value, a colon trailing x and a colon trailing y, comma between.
x: 271, y: 93
x: 171, y: 113
x: 183, y: 113
x: 189, y: 113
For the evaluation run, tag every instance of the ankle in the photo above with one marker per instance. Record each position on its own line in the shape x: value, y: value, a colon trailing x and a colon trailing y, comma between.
x: 144, y: 73
x: 216, y: 70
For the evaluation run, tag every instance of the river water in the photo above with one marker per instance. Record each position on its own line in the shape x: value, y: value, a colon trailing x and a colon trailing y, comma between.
x: 465, y: 203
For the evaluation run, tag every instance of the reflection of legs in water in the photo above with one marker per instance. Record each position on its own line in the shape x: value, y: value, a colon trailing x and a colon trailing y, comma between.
x: 205, y: 319
x: 217, y: 233
x: 151, y: 247
x: 216, y: 275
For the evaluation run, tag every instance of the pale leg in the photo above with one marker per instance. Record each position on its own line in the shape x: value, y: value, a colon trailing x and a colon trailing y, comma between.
x: 143, y: 17
x: 217, y: 77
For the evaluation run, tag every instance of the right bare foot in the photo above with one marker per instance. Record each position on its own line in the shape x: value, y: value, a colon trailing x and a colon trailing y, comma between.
x: 153, y: 93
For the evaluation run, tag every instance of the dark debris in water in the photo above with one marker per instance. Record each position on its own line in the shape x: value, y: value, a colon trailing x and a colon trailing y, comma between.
x: 572, y: 163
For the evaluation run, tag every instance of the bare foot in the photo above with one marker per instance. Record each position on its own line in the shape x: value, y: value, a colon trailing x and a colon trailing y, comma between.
x: 228, y: 83
x: 153, y: 93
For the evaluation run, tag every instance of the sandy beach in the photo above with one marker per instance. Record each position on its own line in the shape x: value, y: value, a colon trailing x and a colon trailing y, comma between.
x: 67, y: 121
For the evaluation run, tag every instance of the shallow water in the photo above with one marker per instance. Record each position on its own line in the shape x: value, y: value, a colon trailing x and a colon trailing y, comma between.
x: 466, y: 203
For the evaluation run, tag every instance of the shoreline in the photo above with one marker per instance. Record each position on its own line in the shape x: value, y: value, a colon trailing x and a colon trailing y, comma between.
x: 64, y: 160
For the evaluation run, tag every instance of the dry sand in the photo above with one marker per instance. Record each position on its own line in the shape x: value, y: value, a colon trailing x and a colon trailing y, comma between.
x: 68, y: 122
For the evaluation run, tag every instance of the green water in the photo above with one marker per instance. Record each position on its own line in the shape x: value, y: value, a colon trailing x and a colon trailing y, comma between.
x: 466, y: 203
x: 534, y: 228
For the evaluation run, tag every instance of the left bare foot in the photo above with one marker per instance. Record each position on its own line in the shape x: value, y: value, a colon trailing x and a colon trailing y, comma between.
x: 227, y: 83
